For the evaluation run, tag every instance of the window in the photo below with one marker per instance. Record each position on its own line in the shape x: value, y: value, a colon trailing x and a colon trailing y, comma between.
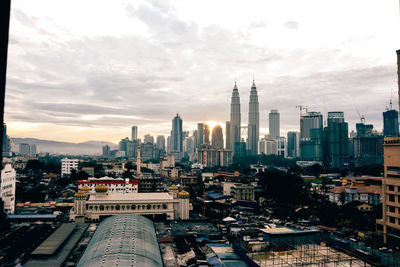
x: 391, y: 197
x: 392, y: 219
x: 391, y: 188
x: 392, y: 209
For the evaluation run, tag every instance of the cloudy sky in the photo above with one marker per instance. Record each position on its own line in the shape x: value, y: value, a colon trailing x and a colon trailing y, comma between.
x: 88, y: 70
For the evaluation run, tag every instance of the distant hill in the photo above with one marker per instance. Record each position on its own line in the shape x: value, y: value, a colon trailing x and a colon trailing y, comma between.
x: 88, y: 147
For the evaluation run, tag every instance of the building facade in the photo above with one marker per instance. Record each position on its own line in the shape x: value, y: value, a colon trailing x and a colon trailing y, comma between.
x: 7, y: 188
x: 115, y: 185
x: 67, y: 165
x: 210, y: 157
x: 391, y: 183
x: 95, y: 206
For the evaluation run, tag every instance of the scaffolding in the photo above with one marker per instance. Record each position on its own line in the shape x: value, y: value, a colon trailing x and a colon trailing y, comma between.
x: 313, y: 254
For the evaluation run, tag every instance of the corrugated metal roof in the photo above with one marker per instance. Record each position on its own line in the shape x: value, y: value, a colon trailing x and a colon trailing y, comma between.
x: 54, y: 241
x: 123, y: 240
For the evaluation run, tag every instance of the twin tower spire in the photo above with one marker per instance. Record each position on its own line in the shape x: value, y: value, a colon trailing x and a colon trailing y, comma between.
x: 253, y: 128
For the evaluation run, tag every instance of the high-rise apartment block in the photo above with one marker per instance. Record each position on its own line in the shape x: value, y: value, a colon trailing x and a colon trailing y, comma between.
x: 27, y: 149
x: 254, y: 121
x: 268, y: 146
x: 274, y: 124
x: 210, y: 157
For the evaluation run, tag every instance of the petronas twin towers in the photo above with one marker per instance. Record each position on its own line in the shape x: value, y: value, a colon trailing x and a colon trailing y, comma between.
x: 253, y: 128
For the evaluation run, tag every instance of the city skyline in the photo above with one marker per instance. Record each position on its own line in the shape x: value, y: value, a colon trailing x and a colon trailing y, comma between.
x: 66, y: 81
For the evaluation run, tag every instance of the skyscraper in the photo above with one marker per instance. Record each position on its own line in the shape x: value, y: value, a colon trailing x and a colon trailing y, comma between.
x: 235, y: 120
x: 148, y: 139
x: 200, y: 135
x: 217, y: 138
x: 274, y: 124
x: 106, y: 151
x: 311, y: 133
x: 390, y: 123
x: 134, y: 133
x: 254, y: 121
x: 336, y: 140
x: 293, y: 139
x: 176, y: 134
x: 6, y: 140
x: 206, y: 141
x: 161, y: 142
x: 228, y: 135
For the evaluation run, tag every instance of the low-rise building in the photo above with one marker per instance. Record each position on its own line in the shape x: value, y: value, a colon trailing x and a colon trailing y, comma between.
x: 117, y: 185
x: 238, y: 191
x: 187, y: 180
x: 95, y: 206
x: 366, y: 194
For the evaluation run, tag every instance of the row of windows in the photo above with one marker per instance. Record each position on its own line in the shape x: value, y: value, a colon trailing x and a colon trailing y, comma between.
x: 393, y: 209
x: 392, y: 198
x: 393, y: 220
x: 127, y: 207
x: 392, y: 187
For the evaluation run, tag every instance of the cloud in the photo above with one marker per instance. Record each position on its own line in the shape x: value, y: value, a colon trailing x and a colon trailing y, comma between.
x: 179, y: 65
x: 293, y: 25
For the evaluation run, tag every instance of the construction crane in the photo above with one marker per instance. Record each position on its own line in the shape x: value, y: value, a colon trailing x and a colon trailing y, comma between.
x: 300, y: 107
x: 362, y: 117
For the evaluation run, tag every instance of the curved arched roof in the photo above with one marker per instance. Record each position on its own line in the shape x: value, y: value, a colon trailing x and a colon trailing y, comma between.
x: 123, y: 240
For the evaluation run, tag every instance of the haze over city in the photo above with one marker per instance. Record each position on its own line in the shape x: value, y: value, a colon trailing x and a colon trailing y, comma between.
x: 123, y: 63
